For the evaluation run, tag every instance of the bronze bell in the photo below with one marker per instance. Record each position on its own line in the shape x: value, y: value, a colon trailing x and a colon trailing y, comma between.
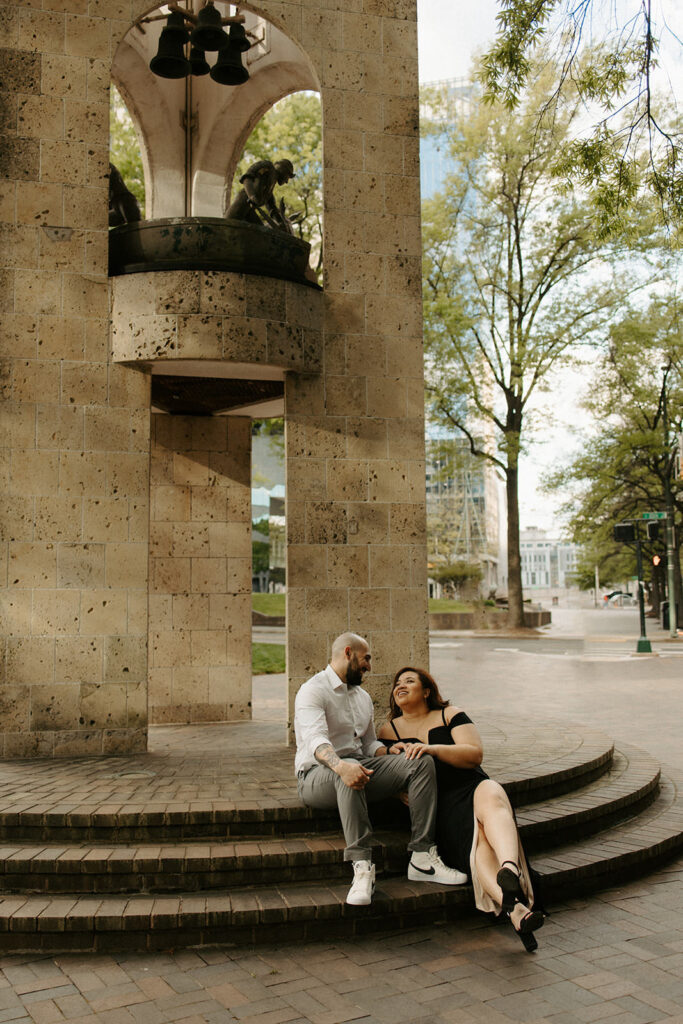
x: 238, y: 37
x: 170, y: 60
x: 208, y: 33
x: 198, y: 62
x: 228, y: 69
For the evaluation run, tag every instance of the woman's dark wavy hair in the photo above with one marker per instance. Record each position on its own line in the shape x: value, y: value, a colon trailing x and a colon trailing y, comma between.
x: 434, y: 699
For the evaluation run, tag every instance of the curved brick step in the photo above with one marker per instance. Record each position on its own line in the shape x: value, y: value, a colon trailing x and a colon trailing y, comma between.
x: 630, y: 782
x: 95, y: 809
x: 625, y: 851
x: 630, y: 785
x: 303, y: 911
x: 196, y: 866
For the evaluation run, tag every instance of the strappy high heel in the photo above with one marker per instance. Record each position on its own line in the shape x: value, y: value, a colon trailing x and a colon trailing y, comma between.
x: 510, y: 886
x: 529, y: 924
x: 512, y: 892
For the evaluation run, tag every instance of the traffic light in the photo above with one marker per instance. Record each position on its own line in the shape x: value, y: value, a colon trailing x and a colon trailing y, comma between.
x: 652, y: 531
x: 624, y: 532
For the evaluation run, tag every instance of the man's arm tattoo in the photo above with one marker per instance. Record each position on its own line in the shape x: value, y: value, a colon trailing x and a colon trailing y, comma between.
x: 327, y: 755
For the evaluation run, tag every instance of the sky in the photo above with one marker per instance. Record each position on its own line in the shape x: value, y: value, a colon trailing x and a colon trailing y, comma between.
x: 449, y: 34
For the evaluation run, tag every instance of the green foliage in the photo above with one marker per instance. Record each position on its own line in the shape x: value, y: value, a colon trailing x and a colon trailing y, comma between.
x: 625, y: 467
x: 292, y: 129
x: 515, y: 278
x: 262, y: 526
x: 457, y: 575
x: 635, y: 147
x: 267, y: 659
x: 274, y: 429
x: 124, y: 147
x: 260, y: 556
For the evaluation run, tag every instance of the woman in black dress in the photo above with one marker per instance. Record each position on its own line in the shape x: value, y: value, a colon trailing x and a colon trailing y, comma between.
x: 475, y: 828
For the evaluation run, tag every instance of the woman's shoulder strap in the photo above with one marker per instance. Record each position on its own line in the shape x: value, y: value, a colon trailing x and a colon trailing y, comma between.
x: 459, y: 718
x: 391, y: 723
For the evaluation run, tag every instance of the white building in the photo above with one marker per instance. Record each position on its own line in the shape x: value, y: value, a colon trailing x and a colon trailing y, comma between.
x: 548, y: 563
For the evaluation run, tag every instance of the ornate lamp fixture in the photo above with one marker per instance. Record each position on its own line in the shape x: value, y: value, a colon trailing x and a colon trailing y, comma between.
x: 207, y: 35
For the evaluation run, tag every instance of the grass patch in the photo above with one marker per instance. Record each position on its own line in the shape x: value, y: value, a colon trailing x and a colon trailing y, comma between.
x: 445, y: 604
x: 267, y: 658
x: 268, y: 604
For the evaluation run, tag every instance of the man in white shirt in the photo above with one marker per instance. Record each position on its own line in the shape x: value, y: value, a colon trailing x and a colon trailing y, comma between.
x: 340, y: 762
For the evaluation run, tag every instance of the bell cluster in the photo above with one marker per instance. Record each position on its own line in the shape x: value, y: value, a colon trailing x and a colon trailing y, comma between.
x: 207, y: 36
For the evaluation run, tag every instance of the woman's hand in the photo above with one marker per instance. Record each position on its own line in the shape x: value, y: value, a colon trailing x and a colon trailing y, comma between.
x: 414, y: 750
x: 403, y: 797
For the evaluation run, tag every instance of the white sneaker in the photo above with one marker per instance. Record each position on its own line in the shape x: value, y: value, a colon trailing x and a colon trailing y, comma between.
x: 360, y: 893
x: 427, y: 866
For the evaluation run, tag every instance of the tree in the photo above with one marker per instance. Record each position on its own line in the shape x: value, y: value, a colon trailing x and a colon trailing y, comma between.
x: 626, y: 465
x: 515, y: 278
x: 124, y: 147
x: 635, y: 146
x: 260, y: 549
x: 458, y: 576
x: 292, y: 129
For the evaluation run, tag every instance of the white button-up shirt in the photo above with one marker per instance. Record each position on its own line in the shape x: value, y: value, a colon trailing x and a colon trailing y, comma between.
x: 326, y: 710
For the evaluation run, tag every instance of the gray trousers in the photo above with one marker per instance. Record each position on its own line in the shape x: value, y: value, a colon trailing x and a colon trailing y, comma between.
x: 322, y: 788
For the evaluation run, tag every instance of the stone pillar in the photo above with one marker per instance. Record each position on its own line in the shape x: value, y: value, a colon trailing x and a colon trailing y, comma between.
x: 355, y: 433
x: 200, y: 569
x: 74, y: 428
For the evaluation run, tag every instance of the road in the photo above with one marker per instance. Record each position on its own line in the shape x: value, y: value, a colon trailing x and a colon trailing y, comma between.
x: 583, y: 669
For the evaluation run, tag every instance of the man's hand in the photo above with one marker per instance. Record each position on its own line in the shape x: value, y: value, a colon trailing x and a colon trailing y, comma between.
x: 352, y: 774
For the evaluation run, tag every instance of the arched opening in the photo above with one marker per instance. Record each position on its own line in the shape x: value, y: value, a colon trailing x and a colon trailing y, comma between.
x: 193, y: 130
x: 217, y: 340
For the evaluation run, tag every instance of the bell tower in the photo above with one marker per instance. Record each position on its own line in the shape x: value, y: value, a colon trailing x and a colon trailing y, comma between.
x: 130, y: 387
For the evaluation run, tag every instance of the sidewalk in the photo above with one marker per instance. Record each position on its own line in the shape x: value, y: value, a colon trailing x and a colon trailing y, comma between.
x: 617, y: 957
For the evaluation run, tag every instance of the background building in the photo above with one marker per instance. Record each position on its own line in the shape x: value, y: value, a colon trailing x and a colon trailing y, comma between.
x: 548, y: 563
x: 465, y: 510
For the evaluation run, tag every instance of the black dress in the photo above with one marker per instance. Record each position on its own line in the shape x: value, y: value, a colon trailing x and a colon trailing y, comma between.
x: 457, y: 832
x: 455, y: 807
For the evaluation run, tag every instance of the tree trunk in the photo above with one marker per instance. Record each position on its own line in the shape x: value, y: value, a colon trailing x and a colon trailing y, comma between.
x: 515, y: 598
x: 677, y: 586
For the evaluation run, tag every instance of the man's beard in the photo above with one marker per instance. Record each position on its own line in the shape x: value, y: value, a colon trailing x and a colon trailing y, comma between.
x: 354, y: 676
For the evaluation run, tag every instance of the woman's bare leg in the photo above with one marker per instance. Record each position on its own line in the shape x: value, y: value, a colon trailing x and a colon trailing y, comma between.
x: 493, y: 811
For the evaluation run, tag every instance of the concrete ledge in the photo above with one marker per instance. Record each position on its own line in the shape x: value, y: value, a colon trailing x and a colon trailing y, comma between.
x: 485, y: 618
x: 260, y: 619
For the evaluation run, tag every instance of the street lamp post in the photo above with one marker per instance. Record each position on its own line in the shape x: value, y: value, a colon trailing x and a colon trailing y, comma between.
x: 643, y: 646
x: 671, y: 579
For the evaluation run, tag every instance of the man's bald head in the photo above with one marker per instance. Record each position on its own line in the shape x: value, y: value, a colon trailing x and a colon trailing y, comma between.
x: 352, y: 640
x: 350, y: 658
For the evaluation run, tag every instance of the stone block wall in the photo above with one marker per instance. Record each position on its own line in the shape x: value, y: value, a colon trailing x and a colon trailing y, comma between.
x: 74, y: 428
x: 200, y: 569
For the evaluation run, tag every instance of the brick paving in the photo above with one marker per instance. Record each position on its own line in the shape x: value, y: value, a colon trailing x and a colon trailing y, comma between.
x: 615, y: 957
